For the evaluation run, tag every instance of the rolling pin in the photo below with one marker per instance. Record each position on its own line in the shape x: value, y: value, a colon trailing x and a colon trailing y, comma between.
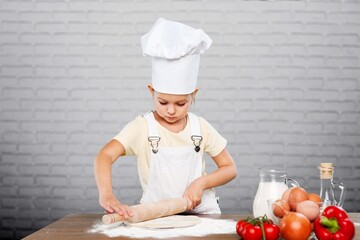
x: 148, y: 211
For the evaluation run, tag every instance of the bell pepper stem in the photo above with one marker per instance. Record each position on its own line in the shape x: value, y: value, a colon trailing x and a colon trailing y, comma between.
x: 331, y: 224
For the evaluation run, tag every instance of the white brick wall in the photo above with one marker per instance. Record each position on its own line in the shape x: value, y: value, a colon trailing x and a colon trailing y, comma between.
x: 281, y: 83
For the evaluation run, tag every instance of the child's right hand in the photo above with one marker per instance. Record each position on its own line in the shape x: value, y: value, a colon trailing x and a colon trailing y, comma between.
x: 112, y: 205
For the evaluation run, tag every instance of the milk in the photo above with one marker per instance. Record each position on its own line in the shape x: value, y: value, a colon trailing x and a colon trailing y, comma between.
x: 267, y: 190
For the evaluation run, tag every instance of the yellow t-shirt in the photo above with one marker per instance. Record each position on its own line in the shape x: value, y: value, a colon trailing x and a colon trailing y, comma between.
x: 134, y: 138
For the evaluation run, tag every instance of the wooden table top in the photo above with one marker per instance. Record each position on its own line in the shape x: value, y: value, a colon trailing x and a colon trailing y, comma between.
x: 77, y: 226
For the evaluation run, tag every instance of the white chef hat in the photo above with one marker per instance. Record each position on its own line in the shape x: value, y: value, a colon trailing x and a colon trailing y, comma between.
x: 175, y: 49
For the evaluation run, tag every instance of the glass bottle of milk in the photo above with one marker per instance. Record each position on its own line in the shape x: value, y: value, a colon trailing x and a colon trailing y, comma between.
x: 273, y: 183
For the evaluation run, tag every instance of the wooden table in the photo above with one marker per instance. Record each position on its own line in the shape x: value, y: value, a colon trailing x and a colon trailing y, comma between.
x: 77, y: 226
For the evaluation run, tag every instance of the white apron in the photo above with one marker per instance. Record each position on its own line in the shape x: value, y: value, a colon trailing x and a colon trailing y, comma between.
x: 172, y: 169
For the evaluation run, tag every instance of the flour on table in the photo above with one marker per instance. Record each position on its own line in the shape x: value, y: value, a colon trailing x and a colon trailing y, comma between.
x: 206, y: 226
x: 175, y: 221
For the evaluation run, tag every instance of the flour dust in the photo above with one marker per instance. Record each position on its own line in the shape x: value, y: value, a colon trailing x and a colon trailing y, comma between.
x: 207, y: 226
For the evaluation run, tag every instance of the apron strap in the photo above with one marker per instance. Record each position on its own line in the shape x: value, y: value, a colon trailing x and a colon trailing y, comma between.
x: 153, y: 138
x: 195, y: 131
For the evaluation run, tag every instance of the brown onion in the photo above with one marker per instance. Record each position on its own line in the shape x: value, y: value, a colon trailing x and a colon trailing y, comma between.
x: 295, y: 226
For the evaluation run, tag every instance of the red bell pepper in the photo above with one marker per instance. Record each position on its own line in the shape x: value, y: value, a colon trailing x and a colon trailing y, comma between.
x: 334, y: 224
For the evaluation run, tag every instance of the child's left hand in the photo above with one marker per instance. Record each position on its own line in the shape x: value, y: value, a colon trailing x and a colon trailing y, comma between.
x: 194, y: 193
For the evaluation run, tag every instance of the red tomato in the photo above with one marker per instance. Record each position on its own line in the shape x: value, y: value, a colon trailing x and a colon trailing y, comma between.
x: 271, y: 231
x: 240, y: 226
x: 251, y: 232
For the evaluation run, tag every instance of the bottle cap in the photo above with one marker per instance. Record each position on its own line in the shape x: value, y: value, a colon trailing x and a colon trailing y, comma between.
x: 326, y: 170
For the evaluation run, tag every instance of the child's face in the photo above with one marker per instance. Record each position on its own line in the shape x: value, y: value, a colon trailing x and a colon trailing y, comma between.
x: 172, y: 108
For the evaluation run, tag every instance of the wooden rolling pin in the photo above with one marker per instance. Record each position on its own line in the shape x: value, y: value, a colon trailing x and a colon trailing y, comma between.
x: 148, y: 211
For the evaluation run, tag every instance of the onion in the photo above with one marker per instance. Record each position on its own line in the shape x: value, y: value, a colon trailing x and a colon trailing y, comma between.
x: 296, y: 195
x: 295, y: 226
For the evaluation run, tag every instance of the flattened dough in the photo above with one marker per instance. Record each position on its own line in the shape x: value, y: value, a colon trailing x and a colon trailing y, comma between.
x: 175, y: 221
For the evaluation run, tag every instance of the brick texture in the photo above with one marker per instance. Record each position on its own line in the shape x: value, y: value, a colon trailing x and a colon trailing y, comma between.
x: 281, y: 83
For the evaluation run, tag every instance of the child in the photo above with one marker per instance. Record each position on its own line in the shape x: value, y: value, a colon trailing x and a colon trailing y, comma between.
x: 169, y: 142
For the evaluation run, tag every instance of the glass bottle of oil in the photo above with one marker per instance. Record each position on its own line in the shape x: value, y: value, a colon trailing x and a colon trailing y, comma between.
x: 328, y: 185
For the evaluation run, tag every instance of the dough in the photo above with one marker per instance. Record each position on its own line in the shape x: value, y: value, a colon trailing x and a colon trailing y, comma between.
x: 175, y: 221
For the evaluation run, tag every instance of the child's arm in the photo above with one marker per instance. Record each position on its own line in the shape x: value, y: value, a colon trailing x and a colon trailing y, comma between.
x: 225, y: 173
x: 103, y: 163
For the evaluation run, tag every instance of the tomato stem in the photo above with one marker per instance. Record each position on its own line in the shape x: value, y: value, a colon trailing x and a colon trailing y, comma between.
x: 262, y: 230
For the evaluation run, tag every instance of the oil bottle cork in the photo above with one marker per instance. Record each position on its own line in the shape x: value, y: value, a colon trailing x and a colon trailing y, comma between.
x: 326, y: 170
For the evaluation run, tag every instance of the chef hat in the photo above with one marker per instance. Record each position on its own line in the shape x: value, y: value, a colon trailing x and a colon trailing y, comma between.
x: 175, y: 49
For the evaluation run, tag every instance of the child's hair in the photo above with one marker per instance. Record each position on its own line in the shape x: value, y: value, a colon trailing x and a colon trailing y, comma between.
x: 193, y: 97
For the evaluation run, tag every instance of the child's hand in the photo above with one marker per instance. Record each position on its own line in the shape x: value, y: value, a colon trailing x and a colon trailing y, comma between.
x: 111, y: 205
x: 194, y: 193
